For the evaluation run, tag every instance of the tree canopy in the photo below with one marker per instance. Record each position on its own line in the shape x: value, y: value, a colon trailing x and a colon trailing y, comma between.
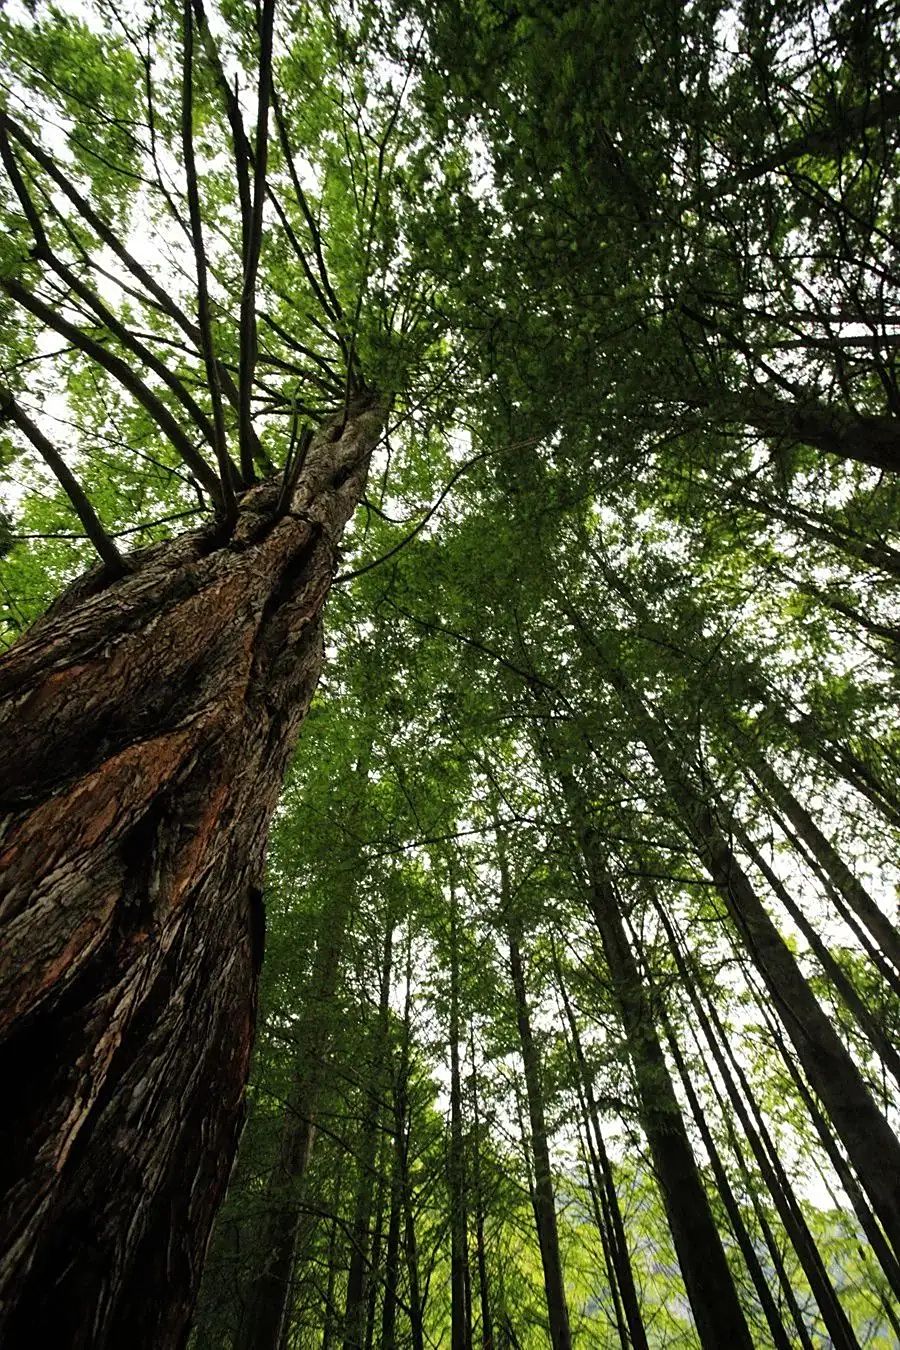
x: 549, y: 352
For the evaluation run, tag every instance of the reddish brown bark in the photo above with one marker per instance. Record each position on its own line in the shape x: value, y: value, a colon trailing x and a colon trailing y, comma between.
x: 144, y: 731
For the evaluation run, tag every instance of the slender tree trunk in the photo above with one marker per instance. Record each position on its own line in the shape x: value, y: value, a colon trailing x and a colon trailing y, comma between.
x: 356, y: 1304
x: 867, y: 1221
x: 403, y: 1129
x: 827, y: 856
x: 544, y: 1198
x: 374, y: 1260
x: 870, y: 1142
x: 764, y: 1151
x: 708, y: 1280
x: 416, y: 1324
x: 460, y: 1322
x: 329, y: 1319
x: 845, y: 763
x: 268, y: 1298
x: 608, y: 1196
x: 147, y: 727
x: 879, y: 556
x: 392, y: 1256
x: 842, y: 983
x: 484, y: 1292
x: 776, y: 1327
x: 772, y: 1245
x: 601, y: 1217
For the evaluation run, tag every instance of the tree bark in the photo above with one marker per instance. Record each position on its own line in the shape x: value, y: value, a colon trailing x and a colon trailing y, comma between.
x: 147, y: 727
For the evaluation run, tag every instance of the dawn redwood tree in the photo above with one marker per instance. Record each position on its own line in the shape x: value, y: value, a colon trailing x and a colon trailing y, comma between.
x: 147, y: 719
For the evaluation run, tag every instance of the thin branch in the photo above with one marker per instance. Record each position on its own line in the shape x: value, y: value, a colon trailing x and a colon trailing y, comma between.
x: 253, y: 245
x: 67, y: 481
x: 454, y: 478
x: 226, y: 468
x: 121, y: 371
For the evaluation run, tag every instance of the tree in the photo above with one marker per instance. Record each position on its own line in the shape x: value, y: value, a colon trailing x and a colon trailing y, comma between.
x: 611, y: 633
x: 150, y: 715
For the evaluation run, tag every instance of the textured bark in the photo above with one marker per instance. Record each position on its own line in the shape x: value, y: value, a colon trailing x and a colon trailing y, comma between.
x: 146, y: 726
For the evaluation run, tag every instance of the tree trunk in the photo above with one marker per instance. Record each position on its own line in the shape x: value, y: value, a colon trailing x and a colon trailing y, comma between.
x: 609, y: 1199
x: 402, y: 1131
x: 544, y: 1198
x: 328, y: 1320
x: 867, y: 1221
x: 708, y: 1280
x: 484, y: 1293
x: 867, y: 438
x: 827, y: 856
x: 764, y: 1151
x: 147, y: 725
x: 275, y: 1247
x: 460, y: 1322
x: 841, y: 982
x: 776, y: 1327
x: 392, y: 1256
x: 871, y: 1144
x: 357, y: 1276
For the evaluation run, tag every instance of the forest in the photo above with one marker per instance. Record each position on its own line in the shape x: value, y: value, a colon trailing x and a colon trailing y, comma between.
x: 449, y: 658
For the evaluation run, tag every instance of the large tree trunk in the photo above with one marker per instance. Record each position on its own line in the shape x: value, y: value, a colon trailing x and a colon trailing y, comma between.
x: 147, y: 727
